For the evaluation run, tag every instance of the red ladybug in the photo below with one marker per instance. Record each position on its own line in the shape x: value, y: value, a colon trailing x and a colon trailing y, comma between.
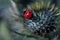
x: 28, y: 14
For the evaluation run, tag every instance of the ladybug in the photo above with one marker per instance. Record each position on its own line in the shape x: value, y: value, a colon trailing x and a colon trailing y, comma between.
x: 28, y: 14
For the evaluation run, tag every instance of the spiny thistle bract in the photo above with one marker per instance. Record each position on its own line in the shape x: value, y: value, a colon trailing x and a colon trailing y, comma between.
x: 44, y: 18
x: 40, y: 18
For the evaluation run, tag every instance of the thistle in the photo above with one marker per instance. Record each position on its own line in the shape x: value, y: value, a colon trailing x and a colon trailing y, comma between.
x: 40, y: 18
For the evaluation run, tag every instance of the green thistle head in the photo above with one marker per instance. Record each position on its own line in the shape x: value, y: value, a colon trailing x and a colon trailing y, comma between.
x: 44, y: 16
